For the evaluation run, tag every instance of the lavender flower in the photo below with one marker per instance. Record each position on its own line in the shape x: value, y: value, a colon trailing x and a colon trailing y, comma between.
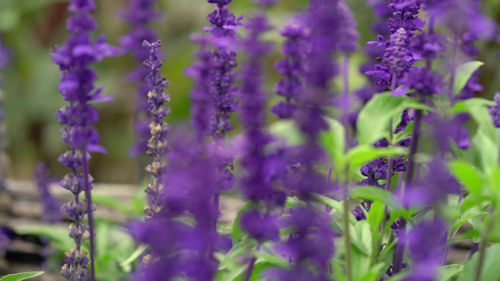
x: 157, y: 144
x: 291, y: 68
x: 202, y: 109
x: 185, y: 249
x: 309, y: 224
x: 424, y: 82
x: 495, y: 111
x: 223, y: 30
x: 139, y: 15
x: 50, y: 205
x: 257, y: 182
x: 78, y: 117
x: 426, y: 251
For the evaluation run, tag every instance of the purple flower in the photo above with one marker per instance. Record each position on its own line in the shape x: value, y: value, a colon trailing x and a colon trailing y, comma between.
x: 405, y: 16
x: 78, y: 117
x: 186, y: 249
x: 435, y: 186
x: 428, y: 45
x: 257, y: 180
x: 291, y: 68
x: 495, y: 111
x: 310, y: 246
x: 424, y: 82
x: 139, y: 15
x: 462, y: 17
x: 50, y: 205
x: 202, y: 108
x: 447, y: 131
x: 426, y: 251
x: 262, y: 227
x: 348, y: 34
x: 157, y: 143
x: 223, y: 31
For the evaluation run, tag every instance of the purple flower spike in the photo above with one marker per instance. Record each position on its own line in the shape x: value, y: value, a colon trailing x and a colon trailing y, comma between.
x: 139, y: 14
x: 157, y: 143
x: 291, y: 68
x: 257, y: 182
x: 426, y: 251
x: 202, y: 108
x: 495, y: 111
x: 78, y: 117
x: 186, y: 249
x: 223, y: 76
x: 50, y: 205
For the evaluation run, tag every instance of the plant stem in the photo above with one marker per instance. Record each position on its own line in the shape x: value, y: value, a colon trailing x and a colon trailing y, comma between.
x: 250, y: 268
x: 400, y: 247
x: 453, y: 65
x: 347, y: 240
x: 345, y: 100
x: 90, y: 213
x: 482, y: 248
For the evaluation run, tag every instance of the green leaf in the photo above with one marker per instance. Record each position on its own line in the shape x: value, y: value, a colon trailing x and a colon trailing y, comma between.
x: 360, y: 155
x: 333, y: 142
x: 467, y: 175
x: 463, y: 75
x: 487, y: 137
x: 127, y: 263
x: 374, y: 118
x: 112, y: 203
x: 58, y: 236
x: 491, y: 270
x: 449, y: 271
x: 375, y: 194
x: 288, y: 131
x: 21, y: 276
x: 237, y: 232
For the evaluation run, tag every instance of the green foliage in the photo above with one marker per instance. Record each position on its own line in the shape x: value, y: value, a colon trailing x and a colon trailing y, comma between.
x: 463, y: 75
x: 374, y: 118
x: 287, y: 131
x: 491, y: 270
x: 21, y: 276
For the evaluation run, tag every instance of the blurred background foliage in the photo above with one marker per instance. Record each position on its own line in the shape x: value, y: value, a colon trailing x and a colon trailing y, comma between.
x: 30, y: 29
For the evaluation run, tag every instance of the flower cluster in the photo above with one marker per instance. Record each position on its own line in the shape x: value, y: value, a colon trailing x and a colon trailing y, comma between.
x: 78, y: 117
x: 188, y: 218
x: 157, y: 143
x: 139, y: 14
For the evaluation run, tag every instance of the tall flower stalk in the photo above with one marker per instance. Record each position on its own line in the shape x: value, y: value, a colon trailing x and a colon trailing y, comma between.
x: 157, y: 143
x: 139, y: 14
x: 78, y: 117
x: 258, y: 180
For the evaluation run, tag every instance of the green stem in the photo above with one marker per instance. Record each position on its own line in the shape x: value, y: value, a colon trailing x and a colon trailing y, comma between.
x: 347, y: 240
x: 482, y: 248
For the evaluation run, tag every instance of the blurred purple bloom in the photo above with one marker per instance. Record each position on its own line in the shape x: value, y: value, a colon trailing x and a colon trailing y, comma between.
x: 157, y: 144
x: 446, y: 131
x: 433, y: 187
x: 257, y: 181
x: 424, y: 82
x: 139, y: 15
x: 310, y: 246
x: 428, y: 45
x: 462, y: 17
x: 223, y: 31
x: 202, y: 108
x: 348, y: 34
x: 291, y: 68
x: 51, y: 207
x: 495, y: 111
x: 262, y: 227
x: 185, y: 249
x: 426, y: 251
